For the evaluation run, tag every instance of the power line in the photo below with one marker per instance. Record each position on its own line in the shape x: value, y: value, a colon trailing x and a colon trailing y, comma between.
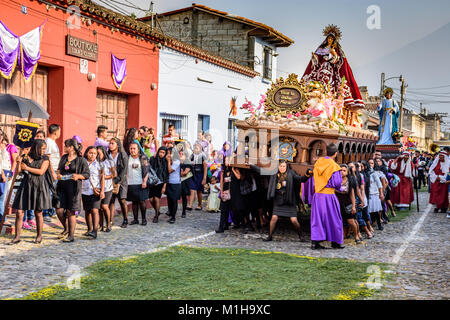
x: 445, y: 86
x: 122, y: 11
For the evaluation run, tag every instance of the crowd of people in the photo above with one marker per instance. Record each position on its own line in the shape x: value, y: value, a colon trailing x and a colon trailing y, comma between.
x: 346, y: 200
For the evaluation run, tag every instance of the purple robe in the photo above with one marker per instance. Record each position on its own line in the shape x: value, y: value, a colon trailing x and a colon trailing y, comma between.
x: 308, y: 191
x: 326, y: 219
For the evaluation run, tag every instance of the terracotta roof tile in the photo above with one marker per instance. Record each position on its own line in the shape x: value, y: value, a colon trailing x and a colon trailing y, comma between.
x: 271, y: 31
x: 141, y: 29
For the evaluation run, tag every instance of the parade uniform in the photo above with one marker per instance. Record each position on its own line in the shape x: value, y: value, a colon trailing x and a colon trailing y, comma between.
x: 403, y: 194
x: 326, y: 219
x: 439, y: 187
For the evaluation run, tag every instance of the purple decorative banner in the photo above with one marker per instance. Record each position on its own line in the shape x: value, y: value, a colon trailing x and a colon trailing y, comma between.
x: 24, y: 51
x: 119, y: 71
x: 9, y: 51
x: 30, y: 51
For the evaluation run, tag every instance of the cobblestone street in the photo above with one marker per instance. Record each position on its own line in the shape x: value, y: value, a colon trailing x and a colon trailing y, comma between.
x: 421, y: 271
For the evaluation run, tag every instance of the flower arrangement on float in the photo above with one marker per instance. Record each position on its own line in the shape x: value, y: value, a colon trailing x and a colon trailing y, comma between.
x: 324, y: 109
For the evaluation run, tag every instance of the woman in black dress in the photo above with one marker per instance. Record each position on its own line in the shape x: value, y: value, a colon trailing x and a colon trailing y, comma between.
x: 158, y: 163
x: 120, y: 181
x: 347, y: 201
x: 186, y: 176
x: 34, y: 190
x: 283, y: 190
x: 72, y: 169
x: 225, y: 195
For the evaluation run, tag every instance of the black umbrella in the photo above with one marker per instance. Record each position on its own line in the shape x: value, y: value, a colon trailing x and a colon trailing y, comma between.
x: 21, y: 107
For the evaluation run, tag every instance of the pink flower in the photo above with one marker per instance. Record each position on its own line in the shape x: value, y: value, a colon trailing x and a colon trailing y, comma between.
x: 316, y: 112
x: 289, y: 116
x: 297, y: 114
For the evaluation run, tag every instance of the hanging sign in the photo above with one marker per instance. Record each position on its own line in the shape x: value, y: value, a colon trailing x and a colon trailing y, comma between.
x: 81, y: 48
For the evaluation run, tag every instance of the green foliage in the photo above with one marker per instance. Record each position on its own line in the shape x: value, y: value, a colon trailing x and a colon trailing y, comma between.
x: 209, y: 273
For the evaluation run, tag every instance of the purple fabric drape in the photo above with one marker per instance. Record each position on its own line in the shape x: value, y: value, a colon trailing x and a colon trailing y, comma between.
x: 9, y: 51
x: 119, y: 71
x: 25, y: 51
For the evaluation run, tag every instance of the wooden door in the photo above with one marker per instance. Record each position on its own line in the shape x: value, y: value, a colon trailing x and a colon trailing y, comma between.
x: 35, y: 89
x: 112, y: 109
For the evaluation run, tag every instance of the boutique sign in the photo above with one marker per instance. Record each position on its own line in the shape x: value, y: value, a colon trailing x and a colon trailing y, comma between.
x: 81, y: 48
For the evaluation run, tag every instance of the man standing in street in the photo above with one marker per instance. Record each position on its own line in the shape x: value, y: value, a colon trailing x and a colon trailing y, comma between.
x: 326, y: 219
x: 403, y: 194
x: 439, y: 184
x: 169, y: 139
x: 102, y: 136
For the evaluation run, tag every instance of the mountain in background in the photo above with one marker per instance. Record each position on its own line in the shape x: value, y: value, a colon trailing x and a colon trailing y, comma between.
x: 423, y: 63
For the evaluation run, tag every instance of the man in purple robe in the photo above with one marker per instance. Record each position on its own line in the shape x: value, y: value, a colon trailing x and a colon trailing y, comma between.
x: 326, y: 219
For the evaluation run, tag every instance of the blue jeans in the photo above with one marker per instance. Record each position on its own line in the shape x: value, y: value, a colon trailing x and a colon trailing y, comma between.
x: 49, y: 212
x: 28, y: 215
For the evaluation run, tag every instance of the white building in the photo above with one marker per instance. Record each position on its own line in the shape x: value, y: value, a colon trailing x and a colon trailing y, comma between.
x: 221, y: 57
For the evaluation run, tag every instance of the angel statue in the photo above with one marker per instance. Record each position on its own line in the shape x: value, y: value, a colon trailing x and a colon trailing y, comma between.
x: 329, y: 66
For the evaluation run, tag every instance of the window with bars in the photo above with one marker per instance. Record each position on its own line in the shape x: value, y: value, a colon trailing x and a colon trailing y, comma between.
x: 179, y: 121
x: 267, y: 58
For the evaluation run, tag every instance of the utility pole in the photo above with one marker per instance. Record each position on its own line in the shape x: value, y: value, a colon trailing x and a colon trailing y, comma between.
x: 152, y: 14
x: 402, y: 91
x: 382, y: 85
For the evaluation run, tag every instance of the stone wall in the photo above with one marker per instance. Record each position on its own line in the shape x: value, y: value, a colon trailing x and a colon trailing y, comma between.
x: 223, y: 37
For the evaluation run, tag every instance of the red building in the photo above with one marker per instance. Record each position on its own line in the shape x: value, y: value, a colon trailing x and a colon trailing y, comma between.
x: 75, y: 100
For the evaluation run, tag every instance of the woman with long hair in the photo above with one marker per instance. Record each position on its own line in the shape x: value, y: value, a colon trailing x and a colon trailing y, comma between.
x: 72, y: 170
x: 364, y: 170
x: 347, y: 200
x: 93, y: 191
x: 132, y: 136
x: 173, y: 188
x: 137, y: 183
x: 109, y: 173
x: 119, y: 181
x: 200, y: 170
x: 225, y: 195
x: 282, y: 190
x: 159, y: 164
x: 34, y: 190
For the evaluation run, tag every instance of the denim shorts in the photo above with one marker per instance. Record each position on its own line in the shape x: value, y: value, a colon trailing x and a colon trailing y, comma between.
x: 359, y: 217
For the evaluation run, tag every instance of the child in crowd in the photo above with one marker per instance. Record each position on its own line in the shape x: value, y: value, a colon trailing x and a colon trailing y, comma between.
x: 213, y: 198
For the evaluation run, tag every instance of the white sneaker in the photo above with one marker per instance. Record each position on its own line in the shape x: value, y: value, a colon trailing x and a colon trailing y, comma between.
x: 47, y: 219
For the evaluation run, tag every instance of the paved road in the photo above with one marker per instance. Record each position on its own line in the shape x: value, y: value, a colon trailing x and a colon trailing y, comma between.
x: 422, y: 268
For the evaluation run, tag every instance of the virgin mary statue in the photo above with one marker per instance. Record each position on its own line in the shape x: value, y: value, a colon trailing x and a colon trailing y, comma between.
x: 329, y: 66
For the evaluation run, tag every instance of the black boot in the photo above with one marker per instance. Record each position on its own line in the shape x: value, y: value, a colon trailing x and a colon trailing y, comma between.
x: 301, y: 236
x: 269, y: 238
x: 336, y: 245
x: 124, y: 223
x: 315, y: 245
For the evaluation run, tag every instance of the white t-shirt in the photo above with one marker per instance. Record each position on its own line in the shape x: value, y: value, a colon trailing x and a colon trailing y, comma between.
x: 107, y: 165
x: 94, y: 170
x: 134, y: 171
x: 53, y: 153
x: 5, y: 162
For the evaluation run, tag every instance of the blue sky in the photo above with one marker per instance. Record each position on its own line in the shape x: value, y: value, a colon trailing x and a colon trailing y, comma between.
x: 405, y: 25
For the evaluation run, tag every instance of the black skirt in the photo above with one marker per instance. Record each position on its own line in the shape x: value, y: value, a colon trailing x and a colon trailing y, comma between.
x: 107, y: 198
x: 173, y: 191
x: 135, y: 193
x: 186, y: 187
x: 155, y: 191
x: 33, y: 194
x: 122, y: 194
x: 68, y: 194
x: 90, y: 202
